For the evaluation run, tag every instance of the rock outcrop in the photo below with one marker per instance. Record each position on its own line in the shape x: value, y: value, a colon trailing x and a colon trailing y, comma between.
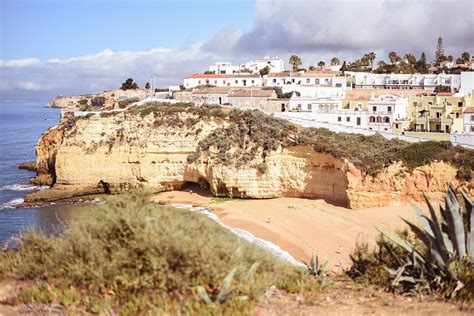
x: 127, y: 150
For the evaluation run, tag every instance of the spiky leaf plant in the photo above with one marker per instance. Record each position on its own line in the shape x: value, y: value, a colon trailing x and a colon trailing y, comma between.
x: 314, y: 268
x: 446, y: 241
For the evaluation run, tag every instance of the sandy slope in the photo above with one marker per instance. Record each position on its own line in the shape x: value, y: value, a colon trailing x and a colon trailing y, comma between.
x: 302, y: 226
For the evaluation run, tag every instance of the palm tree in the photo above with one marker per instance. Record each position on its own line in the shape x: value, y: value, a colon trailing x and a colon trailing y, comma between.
x: 466, y: 57
x: 335, y: 61
x: 371, y: 56
x: 321, y: 64
x: 394, y: 58
x: 295, y: 61
x: 411, y: 59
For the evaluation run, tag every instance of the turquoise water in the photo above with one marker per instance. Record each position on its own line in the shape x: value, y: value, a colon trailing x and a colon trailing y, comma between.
x: 21, y: 125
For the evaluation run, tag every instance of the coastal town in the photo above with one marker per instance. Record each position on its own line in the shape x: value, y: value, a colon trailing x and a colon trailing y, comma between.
x: 406, y: 99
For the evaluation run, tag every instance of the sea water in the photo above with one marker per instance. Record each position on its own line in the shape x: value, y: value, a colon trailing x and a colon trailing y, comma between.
x: 21, y: 126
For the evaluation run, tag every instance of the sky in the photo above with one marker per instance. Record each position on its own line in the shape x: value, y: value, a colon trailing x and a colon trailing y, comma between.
x: 57, y: 47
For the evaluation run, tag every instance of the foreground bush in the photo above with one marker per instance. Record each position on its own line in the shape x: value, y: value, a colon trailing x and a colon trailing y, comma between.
x: 130, y: 256
x: 437, y: 256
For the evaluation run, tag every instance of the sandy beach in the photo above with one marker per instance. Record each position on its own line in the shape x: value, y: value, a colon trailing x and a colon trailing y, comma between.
x: 300, y: 226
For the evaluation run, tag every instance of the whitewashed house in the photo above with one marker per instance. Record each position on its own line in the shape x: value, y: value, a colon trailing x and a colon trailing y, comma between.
x: 382, y: 111
x: 405, y: 81
x: 310, y: 78
x: 224, y: 68
x: 274, y: 64
x: 469, y: 120
x: 219, y: 80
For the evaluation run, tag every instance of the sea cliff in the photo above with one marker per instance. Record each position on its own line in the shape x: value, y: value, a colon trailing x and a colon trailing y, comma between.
x: 238, y: 154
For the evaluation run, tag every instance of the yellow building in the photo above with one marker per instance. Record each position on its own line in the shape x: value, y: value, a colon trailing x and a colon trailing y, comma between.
x: 442, y: 112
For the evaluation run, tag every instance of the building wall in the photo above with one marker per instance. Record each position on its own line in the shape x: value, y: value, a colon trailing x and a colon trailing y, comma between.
x: 469, y: 123
x: 223, y: 82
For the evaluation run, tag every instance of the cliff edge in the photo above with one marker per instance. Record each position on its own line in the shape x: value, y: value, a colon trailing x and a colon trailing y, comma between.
x: 240, y: 154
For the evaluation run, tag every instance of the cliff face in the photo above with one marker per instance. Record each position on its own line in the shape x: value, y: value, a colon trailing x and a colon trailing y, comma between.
x: 126, y: 151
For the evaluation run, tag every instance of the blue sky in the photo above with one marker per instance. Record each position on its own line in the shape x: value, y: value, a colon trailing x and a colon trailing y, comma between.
x: 52, y: 47
x: 62, y: 29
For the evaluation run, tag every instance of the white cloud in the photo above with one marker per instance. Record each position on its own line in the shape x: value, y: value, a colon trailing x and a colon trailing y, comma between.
x: 314, y: 29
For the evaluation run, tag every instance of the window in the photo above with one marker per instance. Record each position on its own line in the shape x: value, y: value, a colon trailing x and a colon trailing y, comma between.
x: 348, y: 119
x: 457, y: 115
x: 299, y: 107
x: 386, y: 119
x: 430, y: 103
x: 389, y: 109
x: 379, y: 119
x: 438, y: 115
x: 460, y: 104
x: 338, y: 85
x: 316, y: 81
x: 374, y: 108
x: 199, y: 82
x: 339, y: 118
x: 372, y: 119
x: 253, y: 81
x: 308, y: 80
x: 236, y: 81
x: 215, y: 81
x: 385, y: 129
x: 396, y: 126
x: 358, y: 121
x: 472, y: 129
x: 472, y: 118
x: 274, y: 81
x: 309, y: 107
x: 223, y: 81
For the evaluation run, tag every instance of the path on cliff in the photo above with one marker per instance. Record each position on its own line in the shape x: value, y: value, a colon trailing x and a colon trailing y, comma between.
x: 342, y: 297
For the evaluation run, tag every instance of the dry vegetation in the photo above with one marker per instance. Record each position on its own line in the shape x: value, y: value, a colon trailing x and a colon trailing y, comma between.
x: 131, y: 256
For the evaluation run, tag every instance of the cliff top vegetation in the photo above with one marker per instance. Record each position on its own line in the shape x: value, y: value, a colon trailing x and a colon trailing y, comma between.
x: 249, y: 136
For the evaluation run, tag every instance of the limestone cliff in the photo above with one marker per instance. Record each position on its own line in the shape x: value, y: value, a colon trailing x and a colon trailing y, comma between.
x: 129, y: 150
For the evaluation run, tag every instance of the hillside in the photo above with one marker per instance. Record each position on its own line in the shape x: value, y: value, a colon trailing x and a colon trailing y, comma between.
x: 244, y: 154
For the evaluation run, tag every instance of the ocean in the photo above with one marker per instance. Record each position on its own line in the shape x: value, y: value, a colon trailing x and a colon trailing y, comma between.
x: 21, y: 126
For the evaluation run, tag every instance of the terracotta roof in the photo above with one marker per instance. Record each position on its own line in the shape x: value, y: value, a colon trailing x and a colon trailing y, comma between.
x: 469, y: 110
x: 219, y: 76
x: 213, y: 90
x: 445, y: 94
x: 246, y: 93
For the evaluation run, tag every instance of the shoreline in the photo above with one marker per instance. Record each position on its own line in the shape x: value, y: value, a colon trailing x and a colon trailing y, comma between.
x: 300, y: 226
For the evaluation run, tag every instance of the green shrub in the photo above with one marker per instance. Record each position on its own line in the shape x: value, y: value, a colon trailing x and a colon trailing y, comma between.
x: 131, y: 254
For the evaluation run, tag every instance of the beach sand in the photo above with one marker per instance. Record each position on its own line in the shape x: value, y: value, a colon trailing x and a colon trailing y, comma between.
x: 301, y: 226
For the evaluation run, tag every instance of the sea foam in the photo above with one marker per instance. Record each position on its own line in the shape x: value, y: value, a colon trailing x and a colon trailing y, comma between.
x: 11, y: 204
x: 22, y: 187
x: 275, y: 249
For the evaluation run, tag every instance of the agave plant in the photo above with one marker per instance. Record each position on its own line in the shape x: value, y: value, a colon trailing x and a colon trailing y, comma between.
x: 448, y: 238
x: 314, y: 268
x: 225, y: 290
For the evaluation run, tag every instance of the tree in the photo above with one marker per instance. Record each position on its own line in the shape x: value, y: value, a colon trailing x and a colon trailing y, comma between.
x: 335, y: 61
x: 295, y: 62
x: 394, y: 58
x: 421, y: 65
x: 321, y: 64
x: 411, y: 60
x: 147, y: 85
x: 264, y: 71
x: 466, y: 57
x: 344, y: 67
x: 442, y: 89
x: 450, y: 58
x: 371, y: 57
x: 312, y: 68
x: 209, y: 72
x: 439, y: 54
x: 129, y: 85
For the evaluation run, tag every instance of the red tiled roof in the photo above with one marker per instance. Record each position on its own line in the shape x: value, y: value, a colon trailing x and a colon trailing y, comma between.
x: 469, y: 110
x: 245, y: 93
x: 445, y: 94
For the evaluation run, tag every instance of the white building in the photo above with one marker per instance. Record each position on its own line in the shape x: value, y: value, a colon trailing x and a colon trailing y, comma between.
x: 310, y: 78
x: 406, y: 81
x: 224, y: 68
x: 382, y: 112
x: 469, y: 120
x: 219, y: 80
x: 467, y: 83
x: 275, y: 64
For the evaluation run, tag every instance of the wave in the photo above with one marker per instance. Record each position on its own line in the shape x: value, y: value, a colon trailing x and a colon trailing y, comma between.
x: 273, y: 248
x: 11, y: 204
x: 22, y: 187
